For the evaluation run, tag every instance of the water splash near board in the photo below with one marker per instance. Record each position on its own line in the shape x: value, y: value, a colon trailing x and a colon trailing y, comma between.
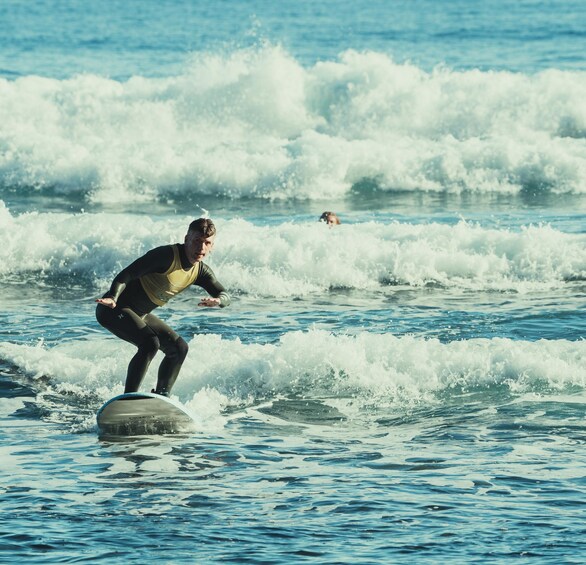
x: 143, y: 413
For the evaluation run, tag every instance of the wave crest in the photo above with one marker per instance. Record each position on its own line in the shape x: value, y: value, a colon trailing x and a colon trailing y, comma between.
x: 298, y: 259
x: 255, y: 122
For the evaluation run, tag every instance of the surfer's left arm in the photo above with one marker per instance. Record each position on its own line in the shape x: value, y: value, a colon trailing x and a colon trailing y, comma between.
x: 208, y: 281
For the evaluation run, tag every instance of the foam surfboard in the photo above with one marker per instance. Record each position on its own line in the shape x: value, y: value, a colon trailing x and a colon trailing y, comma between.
x: 143, y: 413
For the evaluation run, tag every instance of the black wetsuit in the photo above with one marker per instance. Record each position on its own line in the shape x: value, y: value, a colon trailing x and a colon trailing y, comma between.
x: 133, y: 321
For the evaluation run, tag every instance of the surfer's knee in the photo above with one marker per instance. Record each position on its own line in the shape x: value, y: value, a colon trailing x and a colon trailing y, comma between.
x: 176, y: 351
x: 150, y: 345
x: 181, y: 349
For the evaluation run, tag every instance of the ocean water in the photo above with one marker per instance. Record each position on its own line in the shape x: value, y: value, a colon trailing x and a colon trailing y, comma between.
x: 407, y: 387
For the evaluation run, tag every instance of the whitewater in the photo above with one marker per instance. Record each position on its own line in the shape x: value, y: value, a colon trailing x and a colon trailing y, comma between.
x: 255, y: 123
x: 407, y: 386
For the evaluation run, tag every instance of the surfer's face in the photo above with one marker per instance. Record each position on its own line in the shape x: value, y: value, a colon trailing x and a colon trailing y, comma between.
x: 197, y: 246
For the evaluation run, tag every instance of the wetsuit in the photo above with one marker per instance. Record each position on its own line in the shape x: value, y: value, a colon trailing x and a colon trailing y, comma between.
x: 138, y: 289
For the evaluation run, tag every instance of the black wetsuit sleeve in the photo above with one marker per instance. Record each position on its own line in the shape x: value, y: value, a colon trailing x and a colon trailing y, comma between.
x: 208, y: 281
x: 157, y: 260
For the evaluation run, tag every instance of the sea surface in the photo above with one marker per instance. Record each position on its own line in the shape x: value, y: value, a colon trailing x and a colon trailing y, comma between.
x: 407, y: 387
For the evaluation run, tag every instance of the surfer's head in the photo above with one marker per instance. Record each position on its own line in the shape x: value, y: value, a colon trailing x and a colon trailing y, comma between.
x: 199, y: 239
x: 330, y: 218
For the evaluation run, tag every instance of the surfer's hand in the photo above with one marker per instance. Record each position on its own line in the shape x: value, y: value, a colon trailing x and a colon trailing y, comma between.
x: 209, y: 302
x: 109, y: 302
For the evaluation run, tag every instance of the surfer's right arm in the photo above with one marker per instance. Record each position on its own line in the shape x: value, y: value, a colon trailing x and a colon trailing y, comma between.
x: 155, y: 261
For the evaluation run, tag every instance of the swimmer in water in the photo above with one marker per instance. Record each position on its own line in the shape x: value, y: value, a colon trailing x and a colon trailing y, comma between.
x: 330, y: 218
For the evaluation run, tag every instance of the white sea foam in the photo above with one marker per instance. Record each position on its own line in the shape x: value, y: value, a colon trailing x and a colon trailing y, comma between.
x: 297, y: 259
x: 379, y: 368
x: 255, y: 122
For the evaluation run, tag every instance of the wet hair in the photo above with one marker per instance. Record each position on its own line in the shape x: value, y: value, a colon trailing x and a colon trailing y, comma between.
x: 204, y: 226
x: 327, y: 215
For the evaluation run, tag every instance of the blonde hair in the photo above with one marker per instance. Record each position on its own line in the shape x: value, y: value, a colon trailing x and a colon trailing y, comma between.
x: 330, y: 217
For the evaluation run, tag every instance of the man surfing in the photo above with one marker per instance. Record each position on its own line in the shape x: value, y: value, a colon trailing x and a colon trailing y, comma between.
x: 148, y: 283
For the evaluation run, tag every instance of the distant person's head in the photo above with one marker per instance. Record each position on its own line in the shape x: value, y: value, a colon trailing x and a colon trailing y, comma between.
x: 199, y: 239
x: 330, y: 218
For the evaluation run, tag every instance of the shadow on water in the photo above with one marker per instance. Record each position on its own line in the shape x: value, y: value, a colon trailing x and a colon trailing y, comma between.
x: 304, y: 411
x: 464, y: 413
x: 10, y: 387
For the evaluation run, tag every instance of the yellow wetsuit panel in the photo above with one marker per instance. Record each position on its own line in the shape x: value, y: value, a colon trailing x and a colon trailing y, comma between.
x: 161, y: 287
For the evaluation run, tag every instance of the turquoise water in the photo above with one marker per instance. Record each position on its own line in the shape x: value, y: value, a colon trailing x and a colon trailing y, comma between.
x: 406, y: 387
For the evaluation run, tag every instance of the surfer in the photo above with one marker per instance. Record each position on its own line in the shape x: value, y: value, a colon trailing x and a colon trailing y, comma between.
x: 330, y: 218
x: 149, y: 282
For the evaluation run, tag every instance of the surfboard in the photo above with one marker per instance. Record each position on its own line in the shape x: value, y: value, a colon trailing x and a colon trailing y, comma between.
x: 143, y: 413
